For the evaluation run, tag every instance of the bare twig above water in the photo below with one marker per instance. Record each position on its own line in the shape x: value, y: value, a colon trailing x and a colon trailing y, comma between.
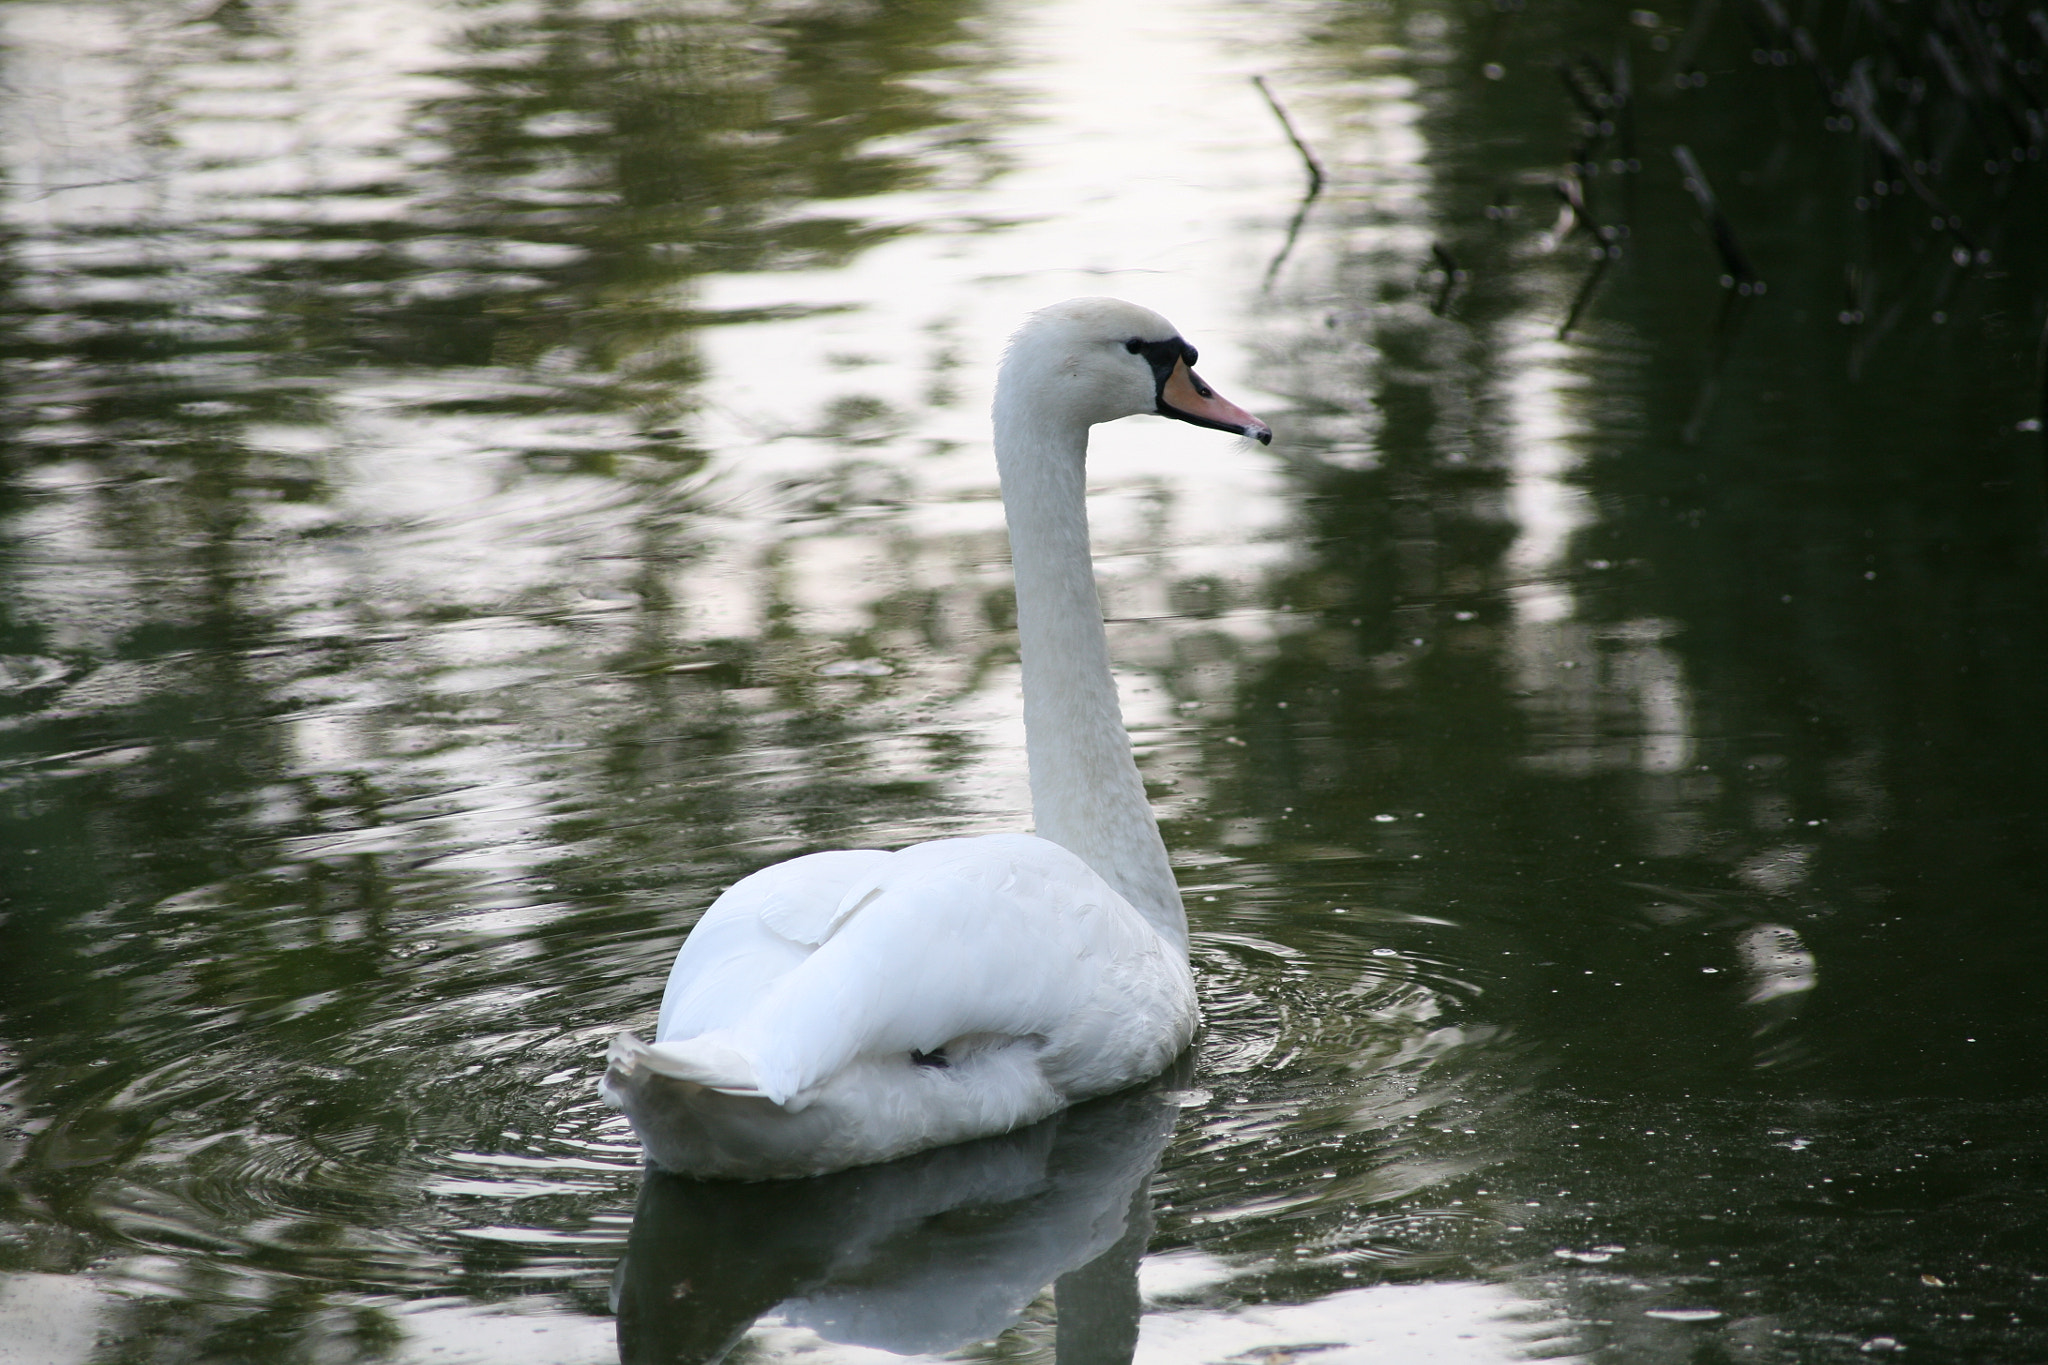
x: 1624, y: 87
x: 1308, y: 158
x: 1603, y: 99
x: 1802, y: 44
x: 1740, y: 281
x: 1860, y: 97
x: 1601, y: 257
x: 1605, y: 96
x: 1587, y: 84
x: 1740, y: 276
x: 1923, y: 88
x: 1576, y: 214
x: 1315, y: 180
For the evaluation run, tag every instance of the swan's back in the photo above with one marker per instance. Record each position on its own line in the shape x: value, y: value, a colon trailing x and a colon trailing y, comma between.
x: 857, y: 1006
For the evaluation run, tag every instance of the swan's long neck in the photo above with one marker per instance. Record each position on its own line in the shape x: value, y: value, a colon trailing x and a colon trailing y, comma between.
x: 1085, y: 791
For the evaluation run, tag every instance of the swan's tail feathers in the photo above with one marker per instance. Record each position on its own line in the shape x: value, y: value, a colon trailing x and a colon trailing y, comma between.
x: 702, y: 1061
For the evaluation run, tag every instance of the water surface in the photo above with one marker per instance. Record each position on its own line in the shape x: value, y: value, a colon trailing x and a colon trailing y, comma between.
x: 478, y: 478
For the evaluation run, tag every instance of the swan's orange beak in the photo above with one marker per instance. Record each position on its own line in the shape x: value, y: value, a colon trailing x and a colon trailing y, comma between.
x: 1186, y: 397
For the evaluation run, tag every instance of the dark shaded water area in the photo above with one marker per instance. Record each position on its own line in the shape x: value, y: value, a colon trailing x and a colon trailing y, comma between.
x: 475, y: 479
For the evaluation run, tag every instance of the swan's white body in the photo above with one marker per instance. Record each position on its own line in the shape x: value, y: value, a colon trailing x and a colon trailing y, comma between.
x: 852, y: 1007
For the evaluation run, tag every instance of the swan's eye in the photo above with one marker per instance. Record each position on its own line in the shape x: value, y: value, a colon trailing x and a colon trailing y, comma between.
x: 1135, y: 345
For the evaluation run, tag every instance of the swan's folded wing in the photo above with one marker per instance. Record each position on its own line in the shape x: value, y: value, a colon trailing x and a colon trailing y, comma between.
x: 760, y: 929
x: 1005, y: 934
x: 703, y: 1061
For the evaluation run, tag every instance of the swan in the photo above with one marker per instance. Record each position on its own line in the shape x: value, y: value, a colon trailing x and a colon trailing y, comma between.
x: 856, y: 1006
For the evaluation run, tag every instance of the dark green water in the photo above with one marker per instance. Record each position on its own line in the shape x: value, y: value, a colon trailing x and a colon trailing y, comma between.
x: 475, y: 479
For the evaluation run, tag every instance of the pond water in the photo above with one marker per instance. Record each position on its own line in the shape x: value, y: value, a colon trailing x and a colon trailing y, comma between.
x: 478, y: 477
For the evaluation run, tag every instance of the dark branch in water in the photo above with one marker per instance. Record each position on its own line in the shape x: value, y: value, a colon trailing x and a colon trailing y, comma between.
x: 1585, y: 294
x: 1726, y: 325
x: 1802, y: 44
x: 1308, y: 158
x: 1602, y: 98
x: 1625, y: 121
x: 1315, y: 180
x: 1587, y: 85
x: 1287, y: 246
x: 1577, y: 214
x: 1732, y: 259
x: 1453, y: 276
x: 1861, y: 100
x: 1743, y: 280
x: 1916, y: 85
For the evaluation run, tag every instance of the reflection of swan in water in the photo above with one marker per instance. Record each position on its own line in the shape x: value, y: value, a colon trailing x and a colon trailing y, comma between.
x: 921, y: 1255
x: 852, y: 1007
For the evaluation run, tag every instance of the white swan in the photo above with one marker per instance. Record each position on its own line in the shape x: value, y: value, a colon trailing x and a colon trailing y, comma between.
x: 853, y: 1007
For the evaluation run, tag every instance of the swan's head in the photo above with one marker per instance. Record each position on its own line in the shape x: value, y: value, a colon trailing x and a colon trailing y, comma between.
x: 1094, y: 360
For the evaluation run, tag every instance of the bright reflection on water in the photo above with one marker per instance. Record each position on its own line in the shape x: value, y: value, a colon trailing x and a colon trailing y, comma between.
x: 478, y: 478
